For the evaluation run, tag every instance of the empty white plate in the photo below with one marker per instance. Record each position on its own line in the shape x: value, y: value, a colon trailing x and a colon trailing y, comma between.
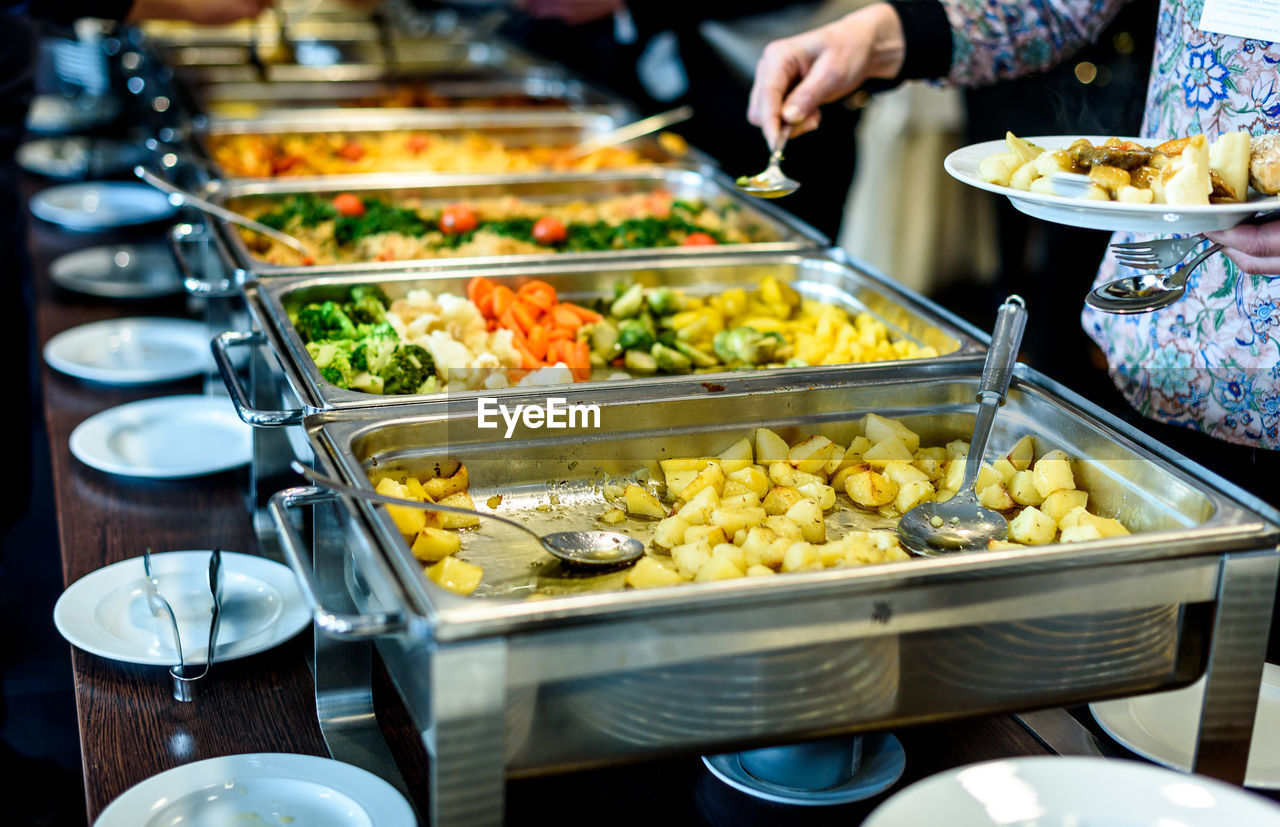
x: 131, y: 351
x: 124, y: 271
x: 166, y: 438
x: 105, y: 612
x: 79, y: 157
x: 1163, y: 727
x: 1047, y: 791
x: 101, y: 205
x: 261, y: 789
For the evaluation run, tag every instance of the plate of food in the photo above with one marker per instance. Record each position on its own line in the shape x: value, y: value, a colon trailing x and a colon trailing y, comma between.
x: 1048, y: 790
x: 1186, y: 185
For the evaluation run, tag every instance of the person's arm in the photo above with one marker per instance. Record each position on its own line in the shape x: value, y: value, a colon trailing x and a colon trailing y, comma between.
x: 1254, y: 248
x: 966, y: 42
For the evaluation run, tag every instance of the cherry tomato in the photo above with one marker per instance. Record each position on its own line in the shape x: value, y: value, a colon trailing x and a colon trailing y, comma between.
x: 348, y: 203
x: 284, y: 164
x: 457, y: 219
x: 416, y: 143
x: 549, y: 230
x: 698, y: 240
x: 352, y: 151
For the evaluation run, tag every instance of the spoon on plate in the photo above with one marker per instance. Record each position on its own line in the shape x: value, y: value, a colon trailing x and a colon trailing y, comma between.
x: 583, y: 549
x: 179, y: 197
x: 773, y: 182
x: 960, y: 523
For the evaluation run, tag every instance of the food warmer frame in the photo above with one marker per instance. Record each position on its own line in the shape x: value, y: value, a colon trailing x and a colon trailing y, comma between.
x: 503, y: 687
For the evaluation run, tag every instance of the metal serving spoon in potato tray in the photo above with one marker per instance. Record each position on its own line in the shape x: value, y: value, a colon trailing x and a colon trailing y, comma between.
x: 583, y: 549
x: 960, y: 523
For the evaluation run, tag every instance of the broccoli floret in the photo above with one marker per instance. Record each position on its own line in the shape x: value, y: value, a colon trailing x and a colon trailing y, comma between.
x: 366, y: 310
x: 633, y: 335
x: 334, y: 361
x: 409, y: 367
x: 380, y: 331
x: 370, y: 291
x: 326, y: 320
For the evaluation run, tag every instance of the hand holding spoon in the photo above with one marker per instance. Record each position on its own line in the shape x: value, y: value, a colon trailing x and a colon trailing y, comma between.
x: 772, y: 183
x: 583, y: 549
x: 960, y: 523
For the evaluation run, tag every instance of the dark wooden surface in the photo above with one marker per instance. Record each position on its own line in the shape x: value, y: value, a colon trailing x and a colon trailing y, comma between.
x: 131, y: 728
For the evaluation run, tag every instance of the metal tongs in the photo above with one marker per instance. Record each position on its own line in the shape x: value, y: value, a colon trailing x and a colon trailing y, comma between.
x: 184, y: 685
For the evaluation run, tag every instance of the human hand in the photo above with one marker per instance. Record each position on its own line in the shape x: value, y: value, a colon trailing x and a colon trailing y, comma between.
x: 572, y: 12
x: 823, y: 65
x: 197, y: 11
x: 1255, y: 248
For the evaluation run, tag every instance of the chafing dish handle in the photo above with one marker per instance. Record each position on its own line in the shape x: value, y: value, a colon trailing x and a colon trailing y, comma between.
x: 179, y: 237
x: 335, y: 624
x: 221, y: 344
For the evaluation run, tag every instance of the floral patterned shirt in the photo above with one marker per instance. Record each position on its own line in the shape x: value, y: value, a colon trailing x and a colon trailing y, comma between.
x: 1210, y: 361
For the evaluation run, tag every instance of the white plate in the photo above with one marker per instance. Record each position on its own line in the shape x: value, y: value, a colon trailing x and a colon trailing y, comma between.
x: 105, y: 612
x: 1163, y: 726
x: 101, y: 205
x: 131, y: 351
x: 125, y: 271
x: 264, y: 790
x: 79, y: 157
x: 1047, y: 791
x: 1105, y: 215
x: 166, y: 438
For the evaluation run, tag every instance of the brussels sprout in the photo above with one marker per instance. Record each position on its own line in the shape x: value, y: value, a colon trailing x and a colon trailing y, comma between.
x: 637, y: 361
x: 664, y: 301
x: 633, y: 335
x: 699, y: 358
x: 669, y: 359
x: 629, y: 303
x: 743, y: 346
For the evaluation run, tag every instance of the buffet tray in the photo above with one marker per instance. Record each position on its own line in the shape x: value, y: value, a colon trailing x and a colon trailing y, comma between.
x: 788, y: 233
x: 550, y: 89
x: 825, y: 275
x: 518, y: 127
x: 595, y: 674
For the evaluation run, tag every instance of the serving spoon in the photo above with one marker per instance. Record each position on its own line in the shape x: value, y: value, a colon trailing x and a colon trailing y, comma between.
x: 961, y: 523
x: 180, y: 197
x: 583, y: 549
x: 772, y: 183
x: 631, y: 131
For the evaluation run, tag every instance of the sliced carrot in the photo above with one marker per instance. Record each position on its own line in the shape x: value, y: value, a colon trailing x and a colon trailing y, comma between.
x: 539, y: 294
x: 580, y: 361
x: 556, y: 333
x: 587, y: 316
x: 527, y: 360
x: 539, y: 341
x: 508, y: 320
x: 556, y: 352
x: 503, y: 298
x: 523, y: 316
x: 564, y: 317
x: 478, y: 288
x: 485, y: 305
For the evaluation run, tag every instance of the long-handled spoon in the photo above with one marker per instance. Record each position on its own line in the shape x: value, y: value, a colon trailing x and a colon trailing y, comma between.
x: 960, y: 523
x: 584, y: 549
x: 772, y: 183
x: 631, y: 131
x: 179, y: 196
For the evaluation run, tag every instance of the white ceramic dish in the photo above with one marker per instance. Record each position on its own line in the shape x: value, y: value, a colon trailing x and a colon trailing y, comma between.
x: 78, y: 157
x: 56, y: 114
x: 126, y: 271
x: 1047, y: 791
x: 105, y: 612
x: 166, y: 438
x: 131, y: 351
x: 1104, y: 215
x: 101, y: 205
x: 261, y: 789
x: 1163, y: 726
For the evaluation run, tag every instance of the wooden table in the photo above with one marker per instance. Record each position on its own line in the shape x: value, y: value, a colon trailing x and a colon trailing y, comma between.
x: 131, y: 728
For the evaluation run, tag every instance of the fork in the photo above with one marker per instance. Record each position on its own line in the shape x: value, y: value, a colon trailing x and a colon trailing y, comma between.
x: 1156, y: 254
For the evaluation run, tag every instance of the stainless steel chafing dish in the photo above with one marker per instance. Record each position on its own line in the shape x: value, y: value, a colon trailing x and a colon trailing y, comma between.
x: 825, y: 275
x: 502, y: 686
x: 513, y: 127
x: 545, y: 89
x: 786, y: 233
